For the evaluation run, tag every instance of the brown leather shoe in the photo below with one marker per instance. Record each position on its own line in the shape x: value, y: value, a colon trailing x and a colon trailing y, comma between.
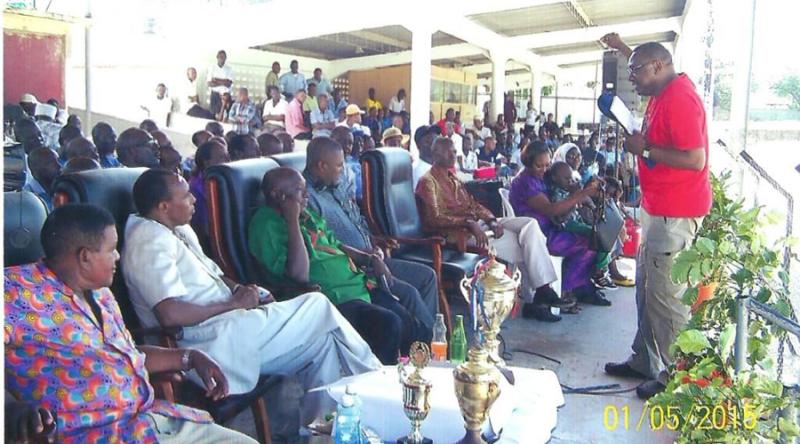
x: 622, y: 369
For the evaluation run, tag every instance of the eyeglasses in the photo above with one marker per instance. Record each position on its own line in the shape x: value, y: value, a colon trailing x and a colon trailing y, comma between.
x: 633, y: 69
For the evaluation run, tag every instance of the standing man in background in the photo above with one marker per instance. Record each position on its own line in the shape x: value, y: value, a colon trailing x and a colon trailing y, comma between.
x: 220, y: 80
x: 672, y: 153
x: 292, y: 81
x: 272, y: 77
x: 324, y: 87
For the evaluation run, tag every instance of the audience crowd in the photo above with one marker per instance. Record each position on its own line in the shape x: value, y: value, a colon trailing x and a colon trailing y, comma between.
x: 60, y: 314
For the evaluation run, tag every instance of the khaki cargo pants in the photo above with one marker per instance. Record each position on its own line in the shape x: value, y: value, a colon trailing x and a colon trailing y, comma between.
x: 660, y: 312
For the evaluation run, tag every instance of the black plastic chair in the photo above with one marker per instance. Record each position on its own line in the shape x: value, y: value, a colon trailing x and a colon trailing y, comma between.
x: 23, y: 217
x: 391, y: 210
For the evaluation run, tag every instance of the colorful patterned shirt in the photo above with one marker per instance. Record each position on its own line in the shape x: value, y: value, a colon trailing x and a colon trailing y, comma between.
x: 91, y: 375
x: 445, y: 205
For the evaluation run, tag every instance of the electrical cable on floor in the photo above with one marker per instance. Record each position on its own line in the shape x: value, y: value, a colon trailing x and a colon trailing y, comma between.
x: 597, y: 390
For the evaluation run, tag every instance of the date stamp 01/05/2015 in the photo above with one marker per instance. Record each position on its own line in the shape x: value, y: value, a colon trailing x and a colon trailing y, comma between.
x: 725, y: 416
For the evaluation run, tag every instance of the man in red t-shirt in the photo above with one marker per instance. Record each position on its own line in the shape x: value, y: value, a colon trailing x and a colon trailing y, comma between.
x: 672, y: 153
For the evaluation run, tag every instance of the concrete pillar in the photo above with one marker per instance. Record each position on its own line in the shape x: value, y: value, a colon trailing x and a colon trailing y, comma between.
x: 420, y: 76
x: 499, y: 60
x: 535, y: 88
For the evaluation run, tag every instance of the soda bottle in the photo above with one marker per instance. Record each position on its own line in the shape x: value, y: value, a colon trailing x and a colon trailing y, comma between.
x: 439, y: 341
x: 458, y: 342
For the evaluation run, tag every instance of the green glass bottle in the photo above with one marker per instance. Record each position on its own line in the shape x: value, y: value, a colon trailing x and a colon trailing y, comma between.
x: 458, y: 342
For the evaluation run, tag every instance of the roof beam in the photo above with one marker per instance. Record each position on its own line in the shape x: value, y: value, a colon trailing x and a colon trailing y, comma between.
x: 401, y: 58
x: 470, y: 31
x: 475, y: 7
x: 594, y: 33
x: 380, y: 38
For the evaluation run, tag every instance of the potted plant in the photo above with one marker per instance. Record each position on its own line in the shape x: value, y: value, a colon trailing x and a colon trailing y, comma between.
x: 705, y: 401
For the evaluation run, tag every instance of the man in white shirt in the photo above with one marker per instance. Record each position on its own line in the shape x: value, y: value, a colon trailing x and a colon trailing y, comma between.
x: 160, y: 107
x: 323, y: 121
x: 421, y: 163
x: 479, y: 132
x: 172, y: 283
x: 397, y: 104
x: 188, y: 95
x: 220, y: 80
x: 274, y: 113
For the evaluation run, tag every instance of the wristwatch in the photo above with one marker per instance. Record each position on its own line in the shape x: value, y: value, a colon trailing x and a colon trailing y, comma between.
x: 646, y: 152
x: 185, y: 359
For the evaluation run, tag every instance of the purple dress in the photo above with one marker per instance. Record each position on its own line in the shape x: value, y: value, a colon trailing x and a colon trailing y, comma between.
x: 578, y: 264
x: 200, y: 216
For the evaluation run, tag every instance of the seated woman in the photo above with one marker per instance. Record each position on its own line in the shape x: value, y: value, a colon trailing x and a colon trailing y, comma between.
x: 570, y: 154
x: 561, y: 186
x: 529, y: 198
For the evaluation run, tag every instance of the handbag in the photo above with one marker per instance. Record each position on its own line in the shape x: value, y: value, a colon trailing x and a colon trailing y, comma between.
x: 606, y: 227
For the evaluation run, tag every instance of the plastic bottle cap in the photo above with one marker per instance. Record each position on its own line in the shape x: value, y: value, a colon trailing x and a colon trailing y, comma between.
x: 347, y: 400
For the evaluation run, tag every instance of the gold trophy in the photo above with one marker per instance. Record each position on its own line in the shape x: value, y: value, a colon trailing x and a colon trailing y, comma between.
x: 499, y: 293
x: 416, y: 392
x: 477, y: 383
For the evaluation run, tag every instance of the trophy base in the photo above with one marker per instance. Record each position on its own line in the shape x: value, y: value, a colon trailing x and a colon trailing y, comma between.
x: 472, y: 437
x: 407, y: 440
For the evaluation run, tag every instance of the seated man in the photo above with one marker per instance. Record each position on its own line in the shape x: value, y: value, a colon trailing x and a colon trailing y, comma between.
x: 447, y: 209
x: 67, y: 349
x: 291, y: 241
x: 172, y: 283
x: 333, y: 197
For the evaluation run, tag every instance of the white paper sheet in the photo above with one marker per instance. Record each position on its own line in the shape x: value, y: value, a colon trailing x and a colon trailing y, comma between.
x: 625, y: 116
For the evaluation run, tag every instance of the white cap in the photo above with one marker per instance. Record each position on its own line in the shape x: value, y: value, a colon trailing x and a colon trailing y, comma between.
x: 43, y: 109
x: 28, y: 98
x: 347, y: 400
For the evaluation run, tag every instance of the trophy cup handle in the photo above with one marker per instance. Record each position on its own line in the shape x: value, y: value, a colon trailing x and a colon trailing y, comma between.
x: 466, y: 289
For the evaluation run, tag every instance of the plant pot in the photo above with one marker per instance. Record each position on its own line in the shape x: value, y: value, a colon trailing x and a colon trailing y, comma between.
x: 704, y: 293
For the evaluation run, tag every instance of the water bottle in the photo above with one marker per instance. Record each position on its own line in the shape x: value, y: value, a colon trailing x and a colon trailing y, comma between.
x: 350, y: 390
x: 347, y: 427
x: 458, y: 342
x: 439, y: 341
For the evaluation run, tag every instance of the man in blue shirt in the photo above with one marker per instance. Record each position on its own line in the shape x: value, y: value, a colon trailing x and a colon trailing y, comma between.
x: 105, y: 139
x: 322, y: 118
x: 334, y: 200
x: 44, y: 166
x: 292, y: 81
x: 338, y: 104
x: 243, y: 114
x: 323, y: 85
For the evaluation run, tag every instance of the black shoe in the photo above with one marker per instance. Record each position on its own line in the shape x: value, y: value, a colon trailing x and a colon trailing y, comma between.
x: 622, y: 369
x: 547, y: 296
x: 593, y: 297
x: 604, y: 281
x: 539, y: 312
x: 648, y: 389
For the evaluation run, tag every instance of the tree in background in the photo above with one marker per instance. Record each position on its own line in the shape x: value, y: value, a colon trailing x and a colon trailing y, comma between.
x: 789, y: 86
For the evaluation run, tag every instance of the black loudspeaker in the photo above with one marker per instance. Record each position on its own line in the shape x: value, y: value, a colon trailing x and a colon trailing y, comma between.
x: 610, y: 71
x: 615, y: 78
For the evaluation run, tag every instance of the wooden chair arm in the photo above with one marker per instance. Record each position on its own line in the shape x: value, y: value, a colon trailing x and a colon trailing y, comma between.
x: 385, y: 243
x: 162, y: 383
x: 169, y: 333
x: 462, y: 244
x: 432, y: 240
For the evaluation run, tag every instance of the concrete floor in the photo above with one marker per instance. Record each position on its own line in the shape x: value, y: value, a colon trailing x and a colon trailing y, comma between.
x: 582, y: 344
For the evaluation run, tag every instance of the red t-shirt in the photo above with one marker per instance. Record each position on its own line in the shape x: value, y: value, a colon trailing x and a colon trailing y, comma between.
x: 675, y: 119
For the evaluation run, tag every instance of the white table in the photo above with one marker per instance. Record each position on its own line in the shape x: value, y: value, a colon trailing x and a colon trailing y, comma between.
x: 526, y: 412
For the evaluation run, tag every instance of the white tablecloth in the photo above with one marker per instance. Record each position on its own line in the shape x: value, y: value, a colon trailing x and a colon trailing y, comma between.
x: 525, y: 412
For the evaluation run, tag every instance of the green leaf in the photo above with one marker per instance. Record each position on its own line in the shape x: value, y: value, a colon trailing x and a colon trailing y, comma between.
x: 788, y: 427
x: 705, y: 245
x: 690, y: 296
x: 726, y: 341
x: 692, y: 342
